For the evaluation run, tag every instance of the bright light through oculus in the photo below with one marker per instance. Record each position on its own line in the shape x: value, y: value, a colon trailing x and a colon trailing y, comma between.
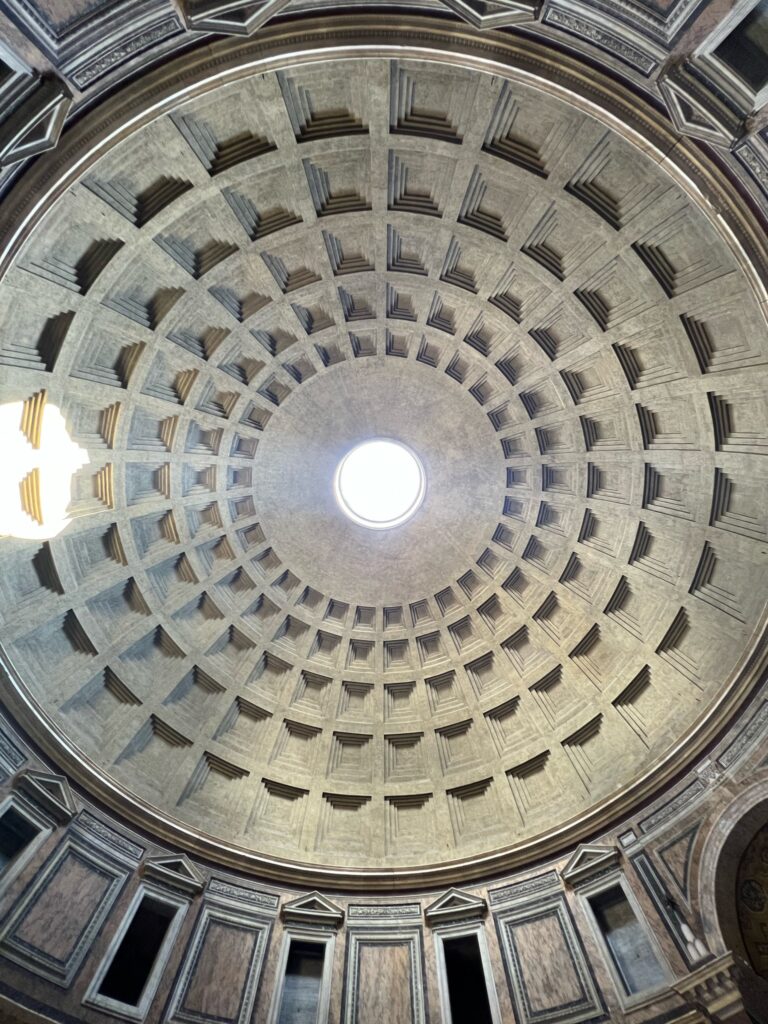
x: 379, y: 484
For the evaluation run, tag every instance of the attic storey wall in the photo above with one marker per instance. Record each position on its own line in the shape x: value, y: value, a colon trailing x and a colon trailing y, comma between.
x: 59, y: 915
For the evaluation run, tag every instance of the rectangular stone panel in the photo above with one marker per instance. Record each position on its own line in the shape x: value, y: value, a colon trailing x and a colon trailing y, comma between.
x: 222, y: 965
x: 53, y: 924
x: 384, y: 978
x: 547, y: 970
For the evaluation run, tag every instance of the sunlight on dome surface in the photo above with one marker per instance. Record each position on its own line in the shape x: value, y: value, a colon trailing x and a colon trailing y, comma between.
x: 35, y: 482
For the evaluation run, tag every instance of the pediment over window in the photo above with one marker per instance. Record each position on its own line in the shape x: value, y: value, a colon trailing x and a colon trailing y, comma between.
x: 246, y: 17
x: 500, y: 14
x: 232, y: 19
x: 313, y: 909
x: 455, y: 905
x: 696, y: 115
x: 589, y: 861
x: 175, y: 872
x: 50, y: 792
x: 36, y: 124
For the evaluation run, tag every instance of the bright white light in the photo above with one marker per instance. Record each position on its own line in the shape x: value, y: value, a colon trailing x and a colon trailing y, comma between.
x: 379, y: 484
x: 56, y: 459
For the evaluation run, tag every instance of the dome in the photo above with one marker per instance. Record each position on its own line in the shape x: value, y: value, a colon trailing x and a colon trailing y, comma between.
x: 226, y: 286
x: 383, y: 528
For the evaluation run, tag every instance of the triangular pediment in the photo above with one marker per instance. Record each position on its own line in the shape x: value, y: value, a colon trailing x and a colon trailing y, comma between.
x: 36, y: 124
x: 314, y: 908
x: 589, y: 861
x: 238, y: 18
x: 244, y: 17
x: 455, y: 905
x: 501, y: 14
x: 176, y: 872
x: 692, y: 117
x: 49, y: 791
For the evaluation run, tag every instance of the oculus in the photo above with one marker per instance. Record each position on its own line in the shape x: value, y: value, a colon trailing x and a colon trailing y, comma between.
x: 379, y: 484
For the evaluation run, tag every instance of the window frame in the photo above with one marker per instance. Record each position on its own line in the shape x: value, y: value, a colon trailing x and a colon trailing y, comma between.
x: 319, y: 938
x: 115, y: 1007
x: 724, y: 76
x: 600, y: 885
x: 458, y: 931
x: 44, y: 827
x: 13, y: 60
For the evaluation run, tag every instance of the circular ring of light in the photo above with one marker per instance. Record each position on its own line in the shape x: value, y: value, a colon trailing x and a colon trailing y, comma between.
x: 379, y: 483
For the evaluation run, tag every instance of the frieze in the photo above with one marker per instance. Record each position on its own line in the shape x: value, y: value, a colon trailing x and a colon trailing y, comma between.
x: 240, y: 894
x: 709, y: 773
x: 88, y: 74
x: 648, y: 18
x: 759, y: 720
x: 529, y: 887
x: 396, y: 911
x: 67, y: 37
x: 86, y: 822
x: 682, y: 799
x: 600, y: 37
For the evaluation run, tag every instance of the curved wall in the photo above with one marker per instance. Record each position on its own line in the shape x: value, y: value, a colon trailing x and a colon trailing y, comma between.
x: 64, y: 900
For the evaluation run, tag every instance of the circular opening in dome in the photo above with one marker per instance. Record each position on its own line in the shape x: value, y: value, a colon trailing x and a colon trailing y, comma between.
x: 379, y: 484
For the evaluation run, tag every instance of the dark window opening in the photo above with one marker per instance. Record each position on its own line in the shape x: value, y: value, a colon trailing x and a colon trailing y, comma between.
x: 627, y: 941
x: 745, y: 50
x: 467, y: 989
x: 16, y: 833
x: 303, y: 981
x: 135, y: 957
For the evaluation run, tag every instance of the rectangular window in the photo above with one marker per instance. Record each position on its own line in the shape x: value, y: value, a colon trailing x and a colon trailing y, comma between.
x: 130, y: 968
x: 467, y: 990
x: 745, y: 49
x: 303, y: 983
x: 16, y: 833
x: 627, y: 941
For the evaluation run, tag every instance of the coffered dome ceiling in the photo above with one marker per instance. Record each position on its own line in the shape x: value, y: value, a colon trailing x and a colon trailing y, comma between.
x: 241, y: 290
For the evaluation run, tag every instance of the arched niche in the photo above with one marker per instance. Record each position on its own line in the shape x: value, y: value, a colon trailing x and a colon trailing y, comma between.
x: 752, y: 900
x: 729, y: 841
